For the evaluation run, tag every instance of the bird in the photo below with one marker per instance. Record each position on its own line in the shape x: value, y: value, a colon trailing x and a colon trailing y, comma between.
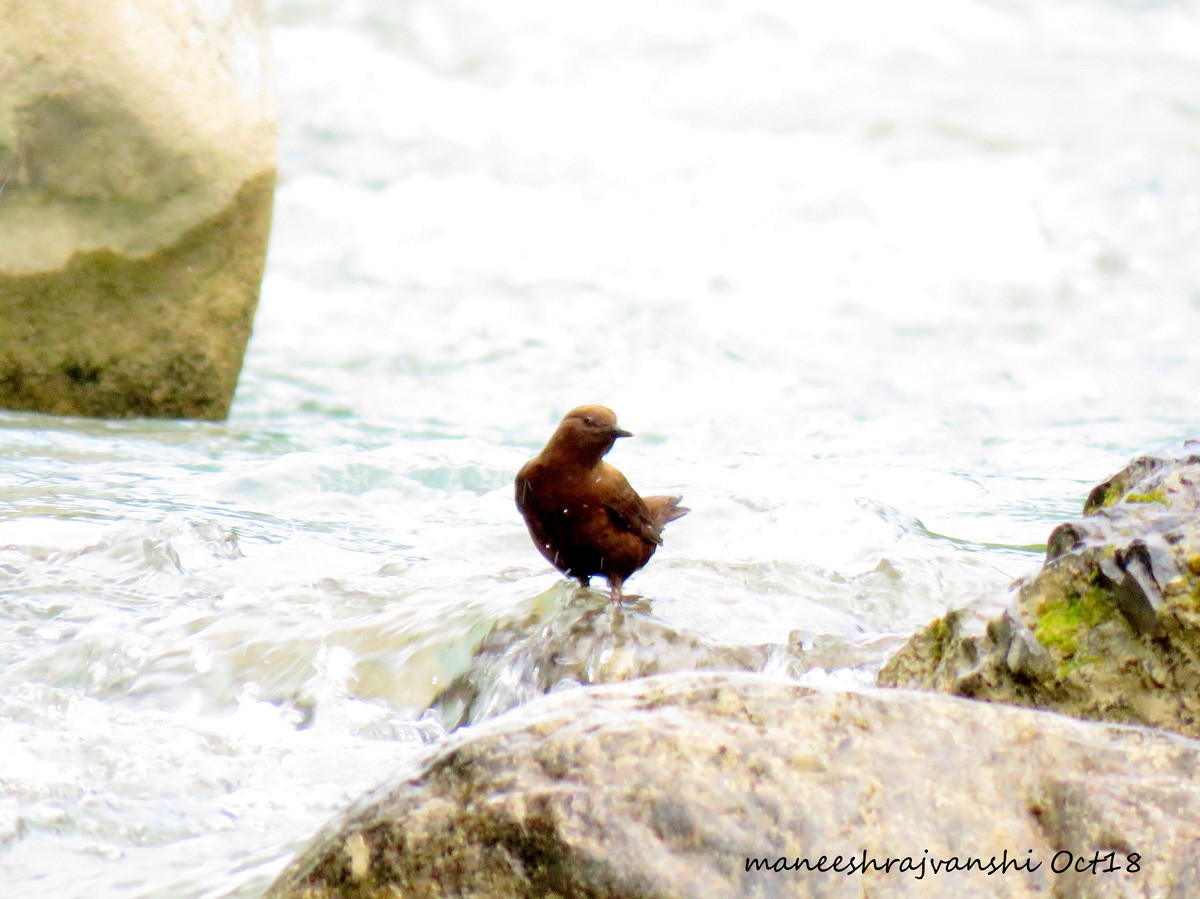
x: 582, y: 514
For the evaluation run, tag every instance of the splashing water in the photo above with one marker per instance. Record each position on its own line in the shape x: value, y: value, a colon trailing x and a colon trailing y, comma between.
x: 882, y: 290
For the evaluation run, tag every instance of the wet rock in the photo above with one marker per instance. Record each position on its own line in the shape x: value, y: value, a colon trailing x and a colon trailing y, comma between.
x: 666, y: 786
x: 585, y: 642
x: 1109, y: 628
x: 137, y: 170
x: 590, y: 640
x: 1159, y: 478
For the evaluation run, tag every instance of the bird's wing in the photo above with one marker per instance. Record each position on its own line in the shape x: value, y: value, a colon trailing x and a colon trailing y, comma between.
x: 627, y: 509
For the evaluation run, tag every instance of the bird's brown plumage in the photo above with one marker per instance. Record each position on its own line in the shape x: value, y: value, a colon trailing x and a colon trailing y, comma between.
x: 581, y: 512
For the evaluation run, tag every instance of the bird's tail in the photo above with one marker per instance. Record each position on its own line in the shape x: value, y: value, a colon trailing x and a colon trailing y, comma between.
x: 664, y: 509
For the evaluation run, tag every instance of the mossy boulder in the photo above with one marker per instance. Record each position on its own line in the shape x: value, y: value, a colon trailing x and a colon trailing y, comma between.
x: 137, y: 170
x: 1109, y: 628
x: 708, y: 785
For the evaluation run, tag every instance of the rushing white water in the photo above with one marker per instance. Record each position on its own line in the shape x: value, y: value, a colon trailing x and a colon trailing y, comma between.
x: 882, y: 289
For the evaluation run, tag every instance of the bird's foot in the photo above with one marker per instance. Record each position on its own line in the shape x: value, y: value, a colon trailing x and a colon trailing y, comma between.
x: 618, y: 595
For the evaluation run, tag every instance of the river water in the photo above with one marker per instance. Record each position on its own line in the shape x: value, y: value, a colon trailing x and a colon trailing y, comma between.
x: 881, y: 288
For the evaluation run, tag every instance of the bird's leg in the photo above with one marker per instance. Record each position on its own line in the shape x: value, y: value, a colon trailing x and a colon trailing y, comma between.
x: 614, y: 589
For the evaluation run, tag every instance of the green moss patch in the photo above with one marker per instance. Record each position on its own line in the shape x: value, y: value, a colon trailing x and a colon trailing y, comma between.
x: 1105, y: 495
x: 938, y: 634
x: 1154, y: 496
x: 1063, y: 623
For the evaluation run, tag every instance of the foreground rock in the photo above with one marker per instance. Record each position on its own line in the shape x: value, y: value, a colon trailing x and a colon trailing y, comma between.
x: 667, y: 786
x: 137, y: 168
x: 589, y: 640
x: 1108, y: 629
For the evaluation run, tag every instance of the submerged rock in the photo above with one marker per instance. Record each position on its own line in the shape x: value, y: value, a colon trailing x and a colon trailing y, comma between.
x: 585, y: 642
x: 137, y: 170
x: 1109, y: 628
x: 590, y: 640
x: 709, y: 785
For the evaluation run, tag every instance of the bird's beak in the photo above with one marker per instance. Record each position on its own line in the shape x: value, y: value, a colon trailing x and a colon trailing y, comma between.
x: 621, y: 432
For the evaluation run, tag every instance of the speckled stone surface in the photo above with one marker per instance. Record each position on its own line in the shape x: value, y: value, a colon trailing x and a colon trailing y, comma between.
x: 666, y: 786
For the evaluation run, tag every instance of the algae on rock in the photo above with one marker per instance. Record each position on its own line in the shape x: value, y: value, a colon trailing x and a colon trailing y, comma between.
x: 1109, y: 628
x: 137, y: 170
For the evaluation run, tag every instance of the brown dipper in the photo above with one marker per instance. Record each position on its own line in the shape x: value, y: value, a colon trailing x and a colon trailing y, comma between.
x: 581, y: 512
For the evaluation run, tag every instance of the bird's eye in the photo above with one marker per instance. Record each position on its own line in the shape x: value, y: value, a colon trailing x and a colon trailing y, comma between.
x: 589, y: 421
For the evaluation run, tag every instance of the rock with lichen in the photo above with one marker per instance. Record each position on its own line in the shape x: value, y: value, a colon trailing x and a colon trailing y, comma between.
x: 1109, y: 628
x: 670, y: 786
x: 137, y: 170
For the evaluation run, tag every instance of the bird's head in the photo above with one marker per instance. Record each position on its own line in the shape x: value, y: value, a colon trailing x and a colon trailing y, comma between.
x: 587, y: 432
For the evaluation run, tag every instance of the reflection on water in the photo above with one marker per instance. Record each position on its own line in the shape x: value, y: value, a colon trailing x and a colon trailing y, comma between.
x: 881, y: 289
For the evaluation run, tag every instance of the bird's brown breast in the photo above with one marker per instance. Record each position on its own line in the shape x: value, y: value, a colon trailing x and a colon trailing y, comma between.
x: 581, y: 512
x: 574, y: 515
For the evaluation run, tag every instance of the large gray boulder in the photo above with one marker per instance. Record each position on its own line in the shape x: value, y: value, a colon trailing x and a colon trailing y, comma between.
x: 673, y: 785
x: 137, y: 169
x: 1109, y: 628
